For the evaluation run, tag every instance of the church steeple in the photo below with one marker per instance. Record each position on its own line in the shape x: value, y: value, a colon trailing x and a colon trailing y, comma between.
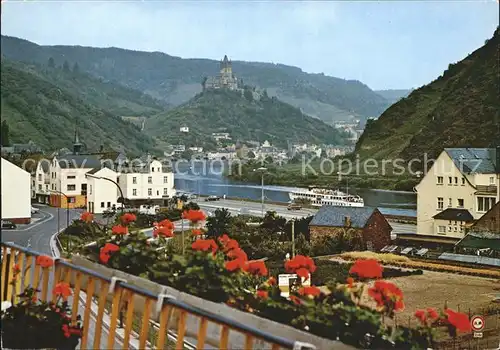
x: 77, y: 145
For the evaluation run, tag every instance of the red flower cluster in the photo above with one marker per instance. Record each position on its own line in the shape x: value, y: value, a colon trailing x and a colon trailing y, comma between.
x: 295, y: 300
x: 119, y: 230
x: 312, y: 291
x: 128, y: 218
x: 257, y: 268
x: 350, y: 282
x: 62, y: 289
x: 387, y: 296
x: 301, y: 265
x: 204, y: 245
x: 262, y: 294
x: 68, y: 330
x: 271, y: 281
x: 367, y: 268
x: 44, y: 261
x: 194, y: 215
x: 429, y: 315
x: 196, y: 232
x: 106, y: 251
x: 236, y: 264
x: 458, y: 320
x: 164, y: 228
x: 87, y: 217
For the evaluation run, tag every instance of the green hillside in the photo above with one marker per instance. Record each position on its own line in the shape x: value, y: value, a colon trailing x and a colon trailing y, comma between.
x: 45, y: 105
x: 458, y: 109
x: 243, y: 117
x: 394, y: 95
x: 176, y: 80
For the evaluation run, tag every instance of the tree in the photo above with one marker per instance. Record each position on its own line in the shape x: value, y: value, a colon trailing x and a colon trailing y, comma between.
x: 4, y: 134
x: 187, y: 154
x: 66, y: 66
x: 76, y: 68
x: 219, y: 223
x: 204, y: 83
x: 51, y: 63
x: 251, y: 155
x: 248, y: 95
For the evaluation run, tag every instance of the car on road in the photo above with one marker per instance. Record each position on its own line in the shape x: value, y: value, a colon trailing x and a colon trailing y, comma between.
x: 34, y: 210
x: 6, y: 224
x: 294, y: 206
x: 212, y: 198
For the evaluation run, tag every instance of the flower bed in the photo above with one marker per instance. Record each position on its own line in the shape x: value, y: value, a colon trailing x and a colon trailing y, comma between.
x: 425, y: 265
x: 219, y: 271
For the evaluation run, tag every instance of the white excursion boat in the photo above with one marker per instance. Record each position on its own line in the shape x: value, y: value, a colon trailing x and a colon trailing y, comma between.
x: 319, y: 197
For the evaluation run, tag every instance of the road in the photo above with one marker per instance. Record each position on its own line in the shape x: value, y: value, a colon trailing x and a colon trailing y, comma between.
x: 253, y: 208
x: 36, y: 236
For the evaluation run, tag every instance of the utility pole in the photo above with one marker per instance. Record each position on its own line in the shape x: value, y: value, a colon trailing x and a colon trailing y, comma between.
x: 293, y: 238
x: 262, y: 192
x: 182, y: 232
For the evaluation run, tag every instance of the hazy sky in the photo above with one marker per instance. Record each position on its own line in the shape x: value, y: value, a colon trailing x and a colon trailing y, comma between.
x: 388, y: 44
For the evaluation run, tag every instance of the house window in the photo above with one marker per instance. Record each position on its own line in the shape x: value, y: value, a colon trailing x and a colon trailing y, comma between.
x: 102, y: 204
x: 39, y: 187
x: 456, y: 180
x: 449, y: 202
x: 71, y: 199
x: 485, y: 203
x: 71, y: 187
x: 134, y: 192
x: 450, y: 180
x: 70, y: 177
x: 150, y: 179
x: 90, y: 189
x: 46, y: 187
x: 460, y: 202
x: 440, y: 203
x: 492, y: 180
x: 152, y: 170
x: 441, y: 229
x: 39, y: 177
x: 449, y: 228
x: 463, y: 181
x: 158, y: 169
x: 165, y: 191
x: 165, y: 179
x: 150, y: 191
x: 109, y: 204
x: 134, y: 180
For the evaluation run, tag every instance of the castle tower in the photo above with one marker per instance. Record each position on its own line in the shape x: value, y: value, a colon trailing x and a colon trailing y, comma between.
x: 226, y: 78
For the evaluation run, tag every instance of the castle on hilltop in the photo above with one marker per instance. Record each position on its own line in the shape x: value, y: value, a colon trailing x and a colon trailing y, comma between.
x: 224, y: 80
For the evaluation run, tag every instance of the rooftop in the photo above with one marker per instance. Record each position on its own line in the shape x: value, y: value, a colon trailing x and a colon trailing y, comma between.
x: 455, y: 215
x: 334, y: 216
x: 474, y: 160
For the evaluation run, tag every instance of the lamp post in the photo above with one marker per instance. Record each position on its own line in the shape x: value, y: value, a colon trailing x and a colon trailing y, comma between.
x: 67, y: 214
x: 114, y: 182
x: 293, y: 238
x: 262, y: 171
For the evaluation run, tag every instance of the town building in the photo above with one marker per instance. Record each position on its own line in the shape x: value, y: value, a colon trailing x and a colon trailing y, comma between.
x: 467, y: 179
x: 148, y: 183
x: 103, y: 192
x: 218, y: 136
x: 225, y: 80
x: 184, y: 129
x: 337, y: 222
x: 16, y: 194
x: 40, y: 179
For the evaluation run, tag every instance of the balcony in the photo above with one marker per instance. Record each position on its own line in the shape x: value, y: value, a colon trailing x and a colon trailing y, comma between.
x: 486, y: 190
x: 152, y: 317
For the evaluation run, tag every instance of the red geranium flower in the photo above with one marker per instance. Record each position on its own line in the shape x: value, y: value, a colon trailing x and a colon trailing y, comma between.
x: 204, y: 245
x: 224, y: 238
x: 271, y: 281
x: 432, y: 313
x: 367, y: 268
x: 257, y: 268
x: 387, y: 296
x: 197, y: 232
x: 194, y: 215
x: 350, y: 282
x: 87, y: 217
x: 106, y: 251
x: 262, y: 294
x: 421, y: 315
x: 62, y: 289
x: 301, y: 265
x: 119, y: 230
x: 44, y: 261
x: 295, y: 300
x: 237, y: 253
x: 235, y: 265
x: 128, y: 218
x: 312, y: 291
x: 458, y: 320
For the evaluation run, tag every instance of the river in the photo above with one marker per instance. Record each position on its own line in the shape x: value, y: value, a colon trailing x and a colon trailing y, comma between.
x: 207, y: 179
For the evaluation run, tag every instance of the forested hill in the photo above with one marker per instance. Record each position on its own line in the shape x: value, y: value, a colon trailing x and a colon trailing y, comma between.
x: 458, y: 109
x: 44, y: 105
x: 244, y: 116
x: 176, y: 80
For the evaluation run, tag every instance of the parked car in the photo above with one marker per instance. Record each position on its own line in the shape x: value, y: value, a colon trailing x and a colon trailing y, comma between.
x: 34, y: 210
x: 294, y: 206
x: 212, y: 198
x: 6, y: 224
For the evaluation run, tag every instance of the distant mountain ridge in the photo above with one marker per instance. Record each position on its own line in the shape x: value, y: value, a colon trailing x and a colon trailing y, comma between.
x: 44, y: 105
x: 394, y: 95
x: 176, y: 80
x: 458, y: 109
